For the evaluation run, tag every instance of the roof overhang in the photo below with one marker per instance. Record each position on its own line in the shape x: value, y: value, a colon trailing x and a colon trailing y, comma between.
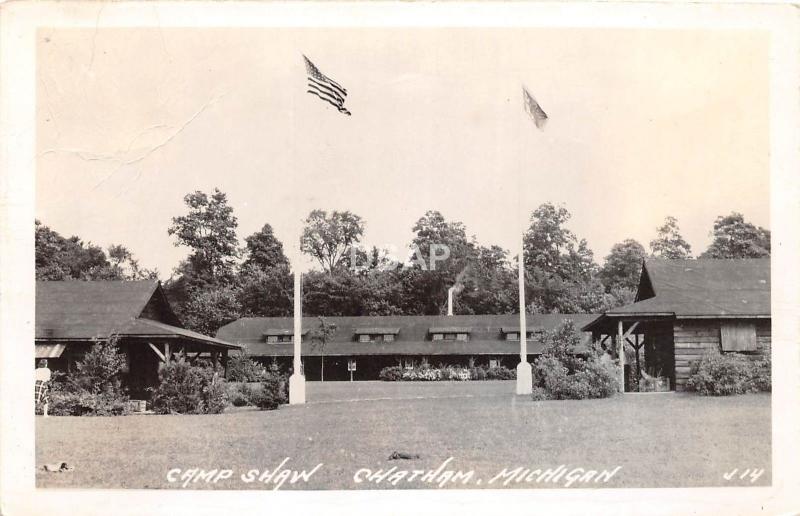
x: 278, y: 332
x: 377, y: 331
x: 49, y: 350
x: 450, y: 329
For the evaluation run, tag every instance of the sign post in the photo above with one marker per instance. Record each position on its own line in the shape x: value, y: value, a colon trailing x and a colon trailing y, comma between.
x: 351, y: 366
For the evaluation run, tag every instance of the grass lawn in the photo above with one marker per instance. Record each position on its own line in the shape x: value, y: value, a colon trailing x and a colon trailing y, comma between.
x: 659, y: 440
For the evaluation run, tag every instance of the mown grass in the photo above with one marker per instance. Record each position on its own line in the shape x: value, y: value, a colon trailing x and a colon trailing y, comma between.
x: 660, y: 440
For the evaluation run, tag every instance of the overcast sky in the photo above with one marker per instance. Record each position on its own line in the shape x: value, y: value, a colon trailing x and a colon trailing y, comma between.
x: 643, y: 124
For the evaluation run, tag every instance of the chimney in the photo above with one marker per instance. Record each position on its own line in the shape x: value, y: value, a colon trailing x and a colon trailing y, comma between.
x: 450, y: 300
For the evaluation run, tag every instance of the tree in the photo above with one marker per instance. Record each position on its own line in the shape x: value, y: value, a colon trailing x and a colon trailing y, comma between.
x: 559, y: 268
x: 209, y: 230
x: 319, y: 338
x: 735, y: 238
x: 329, y: 238
x: 59, y: 258
x: 623, y: 265
x: 264, y: 251
x: 265, y: 292
x: 206, y: 310
x: 442, y: 254
x: 669, y: 243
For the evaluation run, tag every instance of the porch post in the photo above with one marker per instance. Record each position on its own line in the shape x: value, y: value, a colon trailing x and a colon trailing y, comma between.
x: 166, y: 353
x: 621, y: 347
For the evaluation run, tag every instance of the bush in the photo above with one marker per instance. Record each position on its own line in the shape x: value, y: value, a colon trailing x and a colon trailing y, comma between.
x: 731, y: 373
x: 501, y: 373
x: 391, y: 374
x: 561, y: 374
x: 189, y: 389
x: 241, y: 368
x: 94, y: 388
x: 241, y: 394
x: 274, y: 390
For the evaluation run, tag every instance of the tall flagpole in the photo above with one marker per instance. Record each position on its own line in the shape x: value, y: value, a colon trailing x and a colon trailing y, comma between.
x: 297, y: 382
x: 524, y: 369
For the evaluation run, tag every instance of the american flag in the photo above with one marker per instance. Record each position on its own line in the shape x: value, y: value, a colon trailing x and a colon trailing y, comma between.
x: 534, y: 110
x: 325, y: 88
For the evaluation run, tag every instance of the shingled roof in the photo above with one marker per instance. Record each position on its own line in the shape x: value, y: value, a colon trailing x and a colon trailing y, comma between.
x: 699, y: 288
x: 86, y: 310
x: 412, y: 338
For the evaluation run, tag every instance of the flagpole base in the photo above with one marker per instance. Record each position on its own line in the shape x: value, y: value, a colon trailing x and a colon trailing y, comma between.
x: 524, y: 378
x: 297, y: 389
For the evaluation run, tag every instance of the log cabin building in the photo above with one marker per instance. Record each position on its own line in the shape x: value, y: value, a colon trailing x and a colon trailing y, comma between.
x: 686, y: 308
x: 371, y: 343
x: 73, y: 315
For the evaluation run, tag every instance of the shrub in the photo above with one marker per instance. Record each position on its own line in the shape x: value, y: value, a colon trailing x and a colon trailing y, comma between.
x: 477, y: 373
x: 391, y: 374
x: 241, y: 368
x: 241, y: 394
x: 560, y: 373
x: 94, y: 388
x: 762, y: 373
x: 189, y: 389
x: 731, y: 373
x: 501, y: 373
x: 274, y: 390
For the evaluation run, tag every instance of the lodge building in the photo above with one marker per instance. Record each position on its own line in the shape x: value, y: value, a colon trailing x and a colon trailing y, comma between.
x: 71, y: 316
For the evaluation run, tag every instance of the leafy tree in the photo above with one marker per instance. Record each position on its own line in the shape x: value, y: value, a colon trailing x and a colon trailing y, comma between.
x: 265, y: 292
x: 433, y: 275
x: 623, y: 265
x: 319, y: 338
x: 559, y: 268
x: 59, y: 258
x: 264, y: 251
x: 735, y: 238
x: 206, y: 310
x: 328, y: 238
x: 669, y: 243
x: 209, y: 230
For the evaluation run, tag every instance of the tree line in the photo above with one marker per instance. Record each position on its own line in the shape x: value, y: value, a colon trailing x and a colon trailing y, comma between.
x: 221, y: 280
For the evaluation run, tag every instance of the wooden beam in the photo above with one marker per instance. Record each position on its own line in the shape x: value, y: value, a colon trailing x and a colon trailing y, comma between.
x: 630, y: 330
x: 157, y: 352
x: 167, y: 354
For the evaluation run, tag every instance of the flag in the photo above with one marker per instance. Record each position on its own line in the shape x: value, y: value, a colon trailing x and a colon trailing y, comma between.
x: 325, y: 88
x: 534, y: 110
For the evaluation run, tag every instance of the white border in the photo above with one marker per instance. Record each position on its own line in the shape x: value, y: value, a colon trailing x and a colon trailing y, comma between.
x: 18, y: 24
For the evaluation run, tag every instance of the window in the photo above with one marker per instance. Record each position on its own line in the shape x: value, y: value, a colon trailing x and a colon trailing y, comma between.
x: 438, y: 336
x: 272, y: 338
x: 512, y: 336
x: 364, y: 338
x: 388, y: 337
x: 738, y: 336
x: 493, y: 363
x: 287, y: 338
x: 461, y: 336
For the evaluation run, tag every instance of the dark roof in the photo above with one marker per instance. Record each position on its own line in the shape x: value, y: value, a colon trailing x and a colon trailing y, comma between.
x: 86, y: 310
x: 147, y: 328
x: 700, y: 288
x: 413, y: 338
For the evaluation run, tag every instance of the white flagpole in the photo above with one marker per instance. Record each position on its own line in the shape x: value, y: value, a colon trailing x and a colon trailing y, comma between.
x: 297, y: 382
x: 524, y: 370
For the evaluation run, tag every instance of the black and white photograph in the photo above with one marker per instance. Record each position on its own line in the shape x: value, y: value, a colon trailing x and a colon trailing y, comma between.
x: 340, y: 255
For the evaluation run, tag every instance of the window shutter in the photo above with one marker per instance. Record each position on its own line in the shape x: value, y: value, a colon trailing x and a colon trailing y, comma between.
x: 738, y: 336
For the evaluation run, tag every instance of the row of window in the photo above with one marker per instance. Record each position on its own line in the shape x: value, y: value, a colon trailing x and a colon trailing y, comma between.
x: 390, y: 337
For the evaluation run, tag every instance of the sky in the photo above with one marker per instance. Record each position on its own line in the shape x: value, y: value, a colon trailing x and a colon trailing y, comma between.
x: 643, y: 123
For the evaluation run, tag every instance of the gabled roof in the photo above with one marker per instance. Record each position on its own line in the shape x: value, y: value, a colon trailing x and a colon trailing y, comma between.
x: 413, y: 338
x: 700, y: 288
x: 88, y: 309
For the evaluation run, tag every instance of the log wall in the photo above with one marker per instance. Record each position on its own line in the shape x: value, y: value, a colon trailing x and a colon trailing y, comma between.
x: 695, y: 338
